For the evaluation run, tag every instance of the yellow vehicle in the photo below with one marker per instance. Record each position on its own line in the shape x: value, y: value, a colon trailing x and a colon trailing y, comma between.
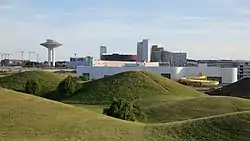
x: 198, y: 81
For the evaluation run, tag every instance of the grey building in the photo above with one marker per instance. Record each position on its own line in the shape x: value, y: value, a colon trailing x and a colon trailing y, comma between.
x: 166, y: 56
x: 178, y: 59
x: 156, y: 53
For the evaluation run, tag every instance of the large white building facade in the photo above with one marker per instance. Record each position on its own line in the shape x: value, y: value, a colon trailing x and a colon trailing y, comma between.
x: 226, y: 75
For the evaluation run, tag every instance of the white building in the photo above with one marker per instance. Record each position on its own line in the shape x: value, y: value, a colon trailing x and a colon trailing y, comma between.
x: 144, y: 51
x: 226, y: 75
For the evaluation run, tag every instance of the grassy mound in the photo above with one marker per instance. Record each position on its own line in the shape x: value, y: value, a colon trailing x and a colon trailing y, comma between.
x: 240, y: 88
x: 173, y: 88
x: 26, y: 117
x: 227, y: 127
x: 48, y: 80
x: 130, y: 85
x: 191, y: 108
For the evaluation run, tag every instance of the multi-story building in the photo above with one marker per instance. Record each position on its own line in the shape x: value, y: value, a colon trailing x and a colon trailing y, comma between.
x: 243, y: 69
x: 144, y: 51
x: 156, y: 53
x: 178, y: 58
x: 79, y: 61
x: 166, y: 57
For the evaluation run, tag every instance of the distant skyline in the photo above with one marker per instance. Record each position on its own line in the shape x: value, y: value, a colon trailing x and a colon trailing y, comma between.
x: 212, y: 29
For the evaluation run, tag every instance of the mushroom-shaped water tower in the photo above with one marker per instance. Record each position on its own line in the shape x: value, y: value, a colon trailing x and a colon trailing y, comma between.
x: 51, y: 45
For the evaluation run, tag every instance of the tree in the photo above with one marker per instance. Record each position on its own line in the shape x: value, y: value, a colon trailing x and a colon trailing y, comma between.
x: 68, y: 86
x: 33, y: 87
x: 125, y: 110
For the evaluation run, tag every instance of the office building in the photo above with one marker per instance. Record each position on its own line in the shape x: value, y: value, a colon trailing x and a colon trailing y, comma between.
x: 144, y: 51
x: 156, y: 53
x: 178, y: 59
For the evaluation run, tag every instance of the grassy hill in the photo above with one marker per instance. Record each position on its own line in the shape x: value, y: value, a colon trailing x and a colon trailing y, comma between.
x: 240, y: 88
x: 226, y: 127
x: 26, y: 117
x: 131, y: 85
x: 191, y: 108
x: 48, y: 80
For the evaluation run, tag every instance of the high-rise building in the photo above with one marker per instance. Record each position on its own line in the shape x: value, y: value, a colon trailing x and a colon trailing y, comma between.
x: 166, y: 56
x: 178, y: 58
x: 103, y: 50
x: 144, y: 51
x: 156, y: 53
x: 139, y: 52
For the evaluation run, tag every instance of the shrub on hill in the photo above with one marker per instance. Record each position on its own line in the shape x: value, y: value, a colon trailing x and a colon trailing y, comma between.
x: 130, y: 85
x: 125, y: 110
x: 68, y: 86
x: 33, y: 87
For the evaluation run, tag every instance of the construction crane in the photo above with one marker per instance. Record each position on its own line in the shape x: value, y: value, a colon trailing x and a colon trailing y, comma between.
x: 31, y: 52
x: 22, y: 52
x: 8, y: 55
x: 37, y: 57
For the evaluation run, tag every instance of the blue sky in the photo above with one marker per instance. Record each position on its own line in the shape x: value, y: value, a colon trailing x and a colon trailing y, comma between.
x: 211, y: 29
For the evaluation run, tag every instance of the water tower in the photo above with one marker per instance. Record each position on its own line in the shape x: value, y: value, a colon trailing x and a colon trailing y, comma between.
x: 51, y: 45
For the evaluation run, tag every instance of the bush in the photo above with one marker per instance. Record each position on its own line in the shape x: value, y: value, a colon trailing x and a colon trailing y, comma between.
x: 84, y: 78
x: 68, y: 86
x: 33, y: 87
x: 125, y: 110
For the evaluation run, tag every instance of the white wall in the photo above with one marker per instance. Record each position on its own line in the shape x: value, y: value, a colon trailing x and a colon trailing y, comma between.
x: 229, y: 75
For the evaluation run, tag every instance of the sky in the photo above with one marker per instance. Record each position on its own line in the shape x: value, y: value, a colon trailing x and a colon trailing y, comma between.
x: 205, y: 29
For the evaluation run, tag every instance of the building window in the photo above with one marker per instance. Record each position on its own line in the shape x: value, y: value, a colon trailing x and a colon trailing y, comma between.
x: 166, y: 75
x: 85, y: 74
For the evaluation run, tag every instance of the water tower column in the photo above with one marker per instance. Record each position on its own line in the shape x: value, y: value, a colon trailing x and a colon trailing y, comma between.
x: 53, y: 58
x: 49, y: 57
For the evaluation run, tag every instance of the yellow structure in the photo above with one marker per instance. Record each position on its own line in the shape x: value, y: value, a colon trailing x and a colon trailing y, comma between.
x: 200, y: 80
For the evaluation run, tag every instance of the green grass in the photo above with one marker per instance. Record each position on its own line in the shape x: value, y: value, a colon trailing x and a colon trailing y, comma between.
x: 227, y: 127
x: 173, y: 88
x: 48, y: 80
x: 130, y: 85
x: 26, y: 117
x: 191, y: 108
